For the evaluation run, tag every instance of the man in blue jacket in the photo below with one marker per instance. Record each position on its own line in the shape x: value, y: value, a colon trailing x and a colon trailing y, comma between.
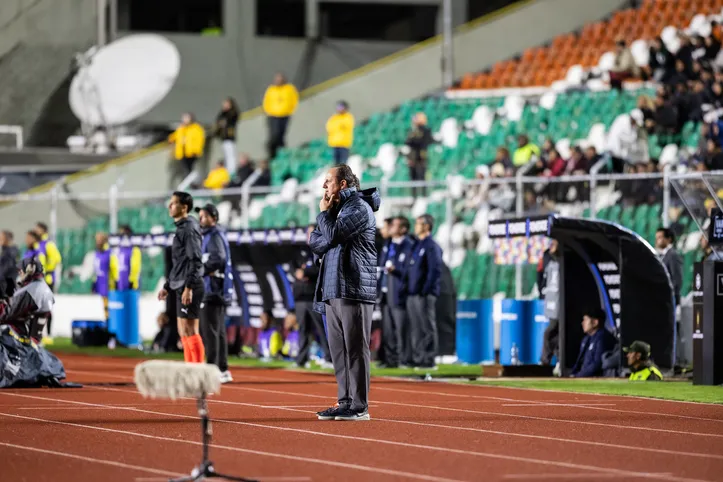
x: 218, y: 289
x: 597, y: 341
x: 394, y: 317
x: 346, y: 290
x: 422, y: 282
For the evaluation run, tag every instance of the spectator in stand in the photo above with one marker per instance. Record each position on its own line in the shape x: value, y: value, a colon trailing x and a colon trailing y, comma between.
x: 340, y: 132
x: 661, y: 61
x: 218, y: 178
x: 707, y: 252
x: 712, y: 48
x: 244, y: 169
x: 418, y: 140
x: 225, y: 129
x: 280, y: 102
x: 476, y: 195
x: 713, y: 157
x: 264, y: 175
x: 666, y: 115
x: 591, y: 156
x: 525, y: 151
x: 673, y: 261
x: 502, y: 157
x: 624, y: 66
x: 646, y: 105
x: 188, y: 140
x: 627, y: 141
x: 577, y: 164
x: 555, y: 165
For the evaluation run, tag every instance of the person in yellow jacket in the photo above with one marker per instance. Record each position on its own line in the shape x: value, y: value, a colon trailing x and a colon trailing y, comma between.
x: 280, y: 101
x: 641, y: 368
x: 188, y: 140
x: 340, y: 132
x: 51, y: 260
x: 218, y: 178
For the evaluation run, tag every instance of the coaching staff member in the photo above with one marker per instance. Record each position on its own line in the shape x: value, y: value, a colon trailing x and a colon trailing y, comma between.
x: 218, y: 289
x: 423, y: 285
x: 344, y: 239
x: 185, y: 278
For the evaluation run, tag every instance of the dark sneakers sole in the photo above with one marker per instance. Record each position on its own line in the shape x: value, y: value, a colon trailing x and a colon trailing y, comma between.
x: 353, y: 416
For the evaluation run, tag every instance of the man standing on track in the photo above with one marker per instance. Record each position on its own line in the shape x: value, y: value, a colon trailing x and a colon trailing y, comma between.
x: 423, y: 285
x: 186, y: 276
x: 51, y: 259
x: 218, y: 286
x: 344, y: 239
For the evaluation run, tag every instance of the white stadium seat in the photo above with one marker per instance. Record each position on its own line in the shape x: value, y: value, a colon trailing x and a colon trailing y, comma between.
x: 449, y: 132
x: 641, y: 52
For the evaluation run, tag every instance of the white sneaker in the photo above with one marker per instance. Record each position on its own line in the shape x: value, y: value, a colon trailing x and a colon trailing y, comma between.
x: 556, y: 371
x: 226, y: 377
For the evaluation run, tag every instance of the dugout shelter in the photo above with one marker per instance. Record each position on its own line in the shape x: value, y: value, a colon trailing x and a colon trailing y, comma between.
x: 606, y: 265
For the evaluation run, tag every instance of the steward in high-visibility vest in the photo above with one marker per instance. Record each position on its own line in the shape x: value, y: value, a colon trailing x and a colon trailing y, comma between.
x: 638, y: 355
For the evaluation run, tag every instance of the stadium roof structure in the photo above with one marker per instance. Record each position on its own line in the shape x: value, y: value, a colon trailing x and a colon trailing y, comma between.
x: 605, y: 265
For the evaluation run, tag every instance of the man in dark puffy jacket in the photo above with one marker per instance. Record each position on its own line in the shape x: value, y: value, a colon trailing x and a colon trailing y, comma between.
x: 346, y: 290
x: 9, y: 257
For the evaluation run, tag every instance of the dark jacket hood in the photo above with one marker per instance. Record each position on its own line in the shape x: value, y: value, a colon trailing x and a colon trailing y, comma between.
x: 371, y: 197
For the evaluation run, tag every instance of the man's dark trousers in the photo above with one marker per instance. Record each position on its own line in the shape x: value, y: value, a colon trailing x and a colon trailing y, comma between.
x: 310, y: 323
x: 551, y: 342
x: 349, y: 324
x: 213, y: 332
x: 423, y: 327
x: 393, y: 319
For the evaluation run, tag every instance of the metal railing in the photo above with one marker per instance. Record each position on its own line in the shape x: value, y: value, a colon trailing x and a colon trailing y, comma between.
x: 550, y: 194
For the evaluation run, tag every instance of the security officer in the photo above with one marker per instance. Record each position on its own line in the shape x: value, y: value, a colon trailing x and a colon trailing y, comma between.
x: 638, y: 355
x: 218, y: 286
x: 394, y: 318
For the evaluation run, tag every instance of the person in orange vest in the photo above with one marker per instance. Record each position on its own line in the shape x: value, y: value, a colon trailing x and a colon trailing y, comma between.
x: 280, y: 102
x: 340, y: 131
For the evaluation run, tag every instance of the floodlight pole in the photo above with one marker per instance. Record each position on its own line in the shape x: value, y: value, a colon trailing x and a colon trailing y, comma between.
x: 447, y: 45
x: 102, y: 22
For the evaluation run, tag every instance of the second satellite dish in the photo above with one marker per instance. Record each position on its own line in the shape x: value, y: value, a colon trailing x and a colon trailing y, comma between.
x: 124, y: 80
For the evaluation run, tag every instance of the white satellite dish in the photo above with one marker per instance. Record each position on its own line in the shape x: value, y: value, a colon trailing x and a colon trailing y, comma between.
x: 124, y: 80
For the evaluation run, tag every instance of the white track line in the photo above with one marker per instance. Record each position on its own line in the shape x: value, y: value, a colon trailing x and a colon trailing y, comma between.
x: 390, y: 442
x: 471, y: 429
x: 344, y: 465
x: 532, y: 402
x: 501, y: 414
x: 570, y: 476
x: 435, y: 407
x: 535, y: 402
x: 541, y: 404
x: 92, y: 459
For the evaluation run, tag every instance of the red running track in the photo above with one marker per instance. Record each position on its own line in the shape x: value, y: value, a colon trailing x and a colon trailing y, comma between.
x: 265, y: 428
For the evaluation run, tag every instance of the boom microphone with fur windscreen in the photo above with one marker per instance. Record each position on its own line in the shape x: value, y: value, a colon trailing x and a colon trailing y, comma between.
x: 173, y: 380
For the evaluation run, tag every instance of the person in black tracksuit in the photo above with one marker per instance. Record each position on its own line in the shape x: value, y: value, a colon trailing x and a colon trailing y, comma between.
x: 310, y: 322
x: 218, y: 286
x: 186, y: 276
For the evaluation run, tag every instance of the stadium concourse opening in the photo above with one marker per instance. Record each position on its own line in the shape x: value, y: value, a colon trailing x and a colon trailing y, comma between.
x: 603, y: 265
